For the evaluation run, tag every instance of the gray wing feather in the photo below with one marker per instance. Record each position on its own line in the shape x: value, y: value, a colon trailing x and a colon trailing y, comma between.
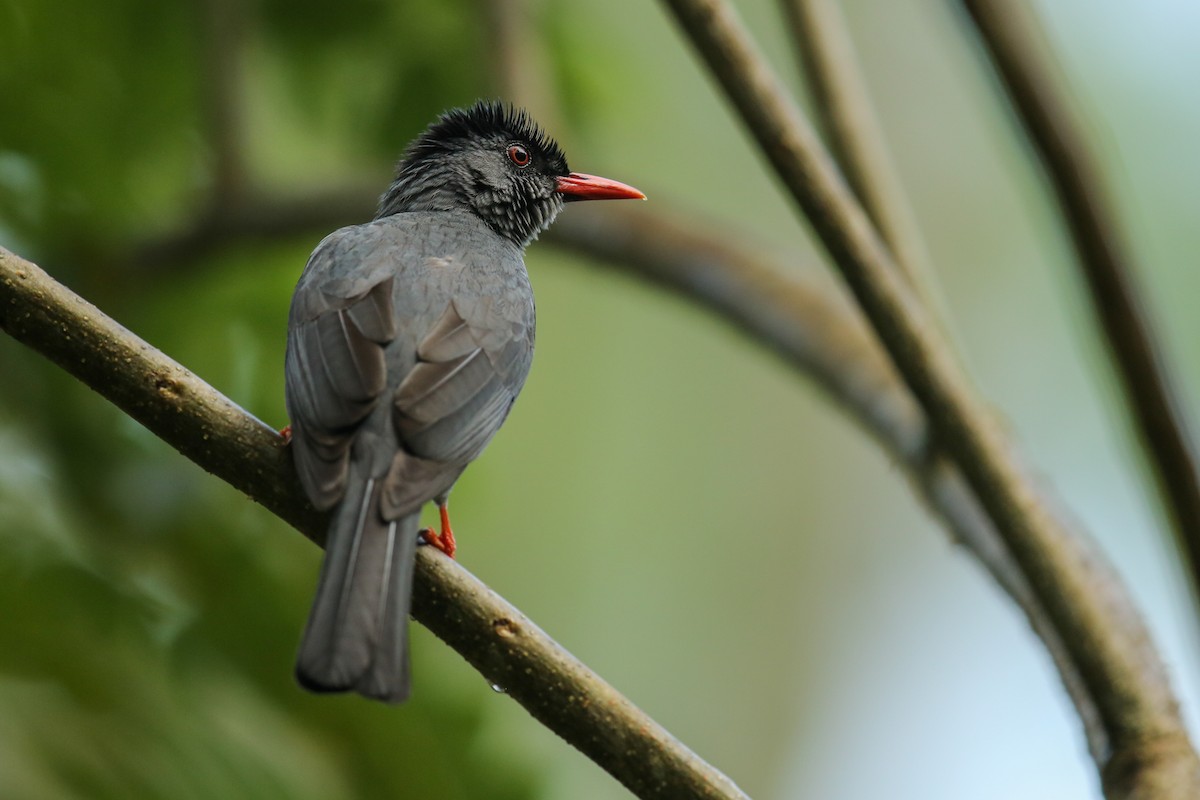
x: 453, y: 401
x: 372, y: 316
x: 450, y: 338
x: 336, y: 372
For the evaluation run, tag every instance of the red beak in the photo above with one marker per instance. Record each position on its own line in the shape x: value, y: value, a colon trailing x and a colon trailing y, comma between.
x: 578, y: 186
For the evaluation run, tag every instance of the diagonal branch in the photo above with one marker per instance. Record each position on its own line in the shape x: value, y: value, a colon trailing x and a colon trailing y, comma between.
x: 1134, y: 702
x: 819, y: 334
x: 852, y: 130
x: 1009, y: 35
x: 499, y: 641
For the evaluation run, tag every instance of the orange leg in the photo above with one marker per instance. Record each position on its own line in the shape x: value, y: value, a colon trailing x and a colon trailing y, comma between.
x: 444, y: 542
x: 286, y: 433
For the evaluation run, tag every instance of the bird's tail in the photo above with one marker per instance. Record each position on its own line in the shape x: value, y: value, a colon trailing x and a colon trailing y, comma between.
x: 357, y: 634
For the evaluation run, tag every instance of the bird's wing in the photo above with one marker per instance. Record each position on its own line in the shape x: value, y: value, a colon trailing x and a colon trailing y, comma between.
x: 470, y: 367
x: 335, y: 371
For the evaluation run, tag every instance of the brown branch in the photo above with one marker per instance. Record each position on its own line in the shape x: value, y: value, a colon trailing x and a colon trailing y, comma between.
x: 1009, y: 35
x: 841, y: 99
x: 1082, y: 598
x: 492, y: 635
x: 819, y: 334
x: 815, y: 330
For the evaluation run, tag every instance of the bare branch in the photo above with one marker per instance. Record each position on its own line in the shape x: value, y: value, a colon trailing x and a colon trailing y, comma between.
x: 1081, y: 596
x: 852, y: 130
x: 840, y: 96
x: 492, y: 635
x: 817, y: 331
x: 821, y: 335
x: 1009, y: 35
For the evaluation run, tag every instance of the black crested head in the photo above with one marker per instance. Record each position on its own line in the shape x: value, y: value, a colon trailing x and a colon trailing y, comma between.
x: 490, y: 159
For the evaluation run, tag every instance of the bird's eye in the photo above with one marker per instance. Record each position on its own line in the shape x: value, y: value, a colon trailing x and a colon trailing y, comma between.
x: 519, y: 155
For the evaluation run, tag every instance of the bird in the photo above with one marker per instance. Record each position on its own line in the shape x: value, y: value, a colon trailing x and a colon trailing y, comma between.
x: 408, y: 339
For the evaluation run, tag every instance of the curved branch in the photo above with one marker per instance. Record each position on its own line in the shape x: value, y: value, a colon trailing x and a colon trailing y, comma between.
x: 1082, y: 597
x: 818, y: 333
x: 1008, y: 33
x: 816, y: 330
x: 216, y: 434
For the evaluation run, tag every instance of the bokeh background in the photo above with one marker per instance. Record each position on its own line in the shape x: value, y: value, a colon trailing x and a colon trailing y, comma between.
x: 675, y: 506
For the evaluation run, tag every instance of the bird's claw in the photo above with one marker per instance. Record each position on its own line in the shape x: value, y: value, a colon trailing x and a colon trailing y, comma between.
x: 444, y: 542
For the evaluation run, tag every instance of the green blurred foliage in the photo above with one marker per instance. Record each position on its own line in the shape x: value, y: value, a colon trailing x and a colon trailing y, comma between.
x: 150, y: 614
x: 100, y: 115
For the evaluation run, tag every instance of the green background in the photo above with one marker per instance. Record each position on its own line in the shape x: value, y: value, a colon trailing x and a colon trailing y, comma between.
x: 671, y: 503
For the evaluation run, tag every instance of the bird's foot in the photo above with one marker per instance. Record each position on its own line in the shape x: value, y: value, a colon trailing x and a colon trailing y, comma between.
x: 444, y: 541
x: 286, y: 433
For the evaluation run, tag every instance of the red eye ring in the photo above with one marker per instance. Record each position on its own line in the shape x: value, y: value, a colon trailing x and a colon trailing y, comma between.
x: 519, y: 155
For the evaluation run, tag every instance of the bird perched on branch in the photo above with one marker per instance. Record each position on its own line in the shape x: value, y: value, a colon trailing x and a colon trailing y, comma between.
x: 409, y: 338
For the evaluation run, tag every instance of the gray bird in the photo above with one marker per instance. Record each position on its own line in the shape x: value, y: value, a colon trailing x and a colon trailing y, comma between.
x: 409, y: 338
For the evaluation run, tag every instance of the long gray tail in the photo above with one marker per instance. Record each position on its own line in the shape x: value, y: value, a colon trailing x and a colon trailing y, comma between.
x: 357, y: 634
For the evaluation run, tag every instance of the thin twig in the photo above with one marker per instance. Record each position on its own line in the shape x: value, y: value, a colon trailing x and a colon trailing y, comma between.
x: 1010, y: 36
x: 492, y: 635
x: 844, y: 107
x: 1133, y: 698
